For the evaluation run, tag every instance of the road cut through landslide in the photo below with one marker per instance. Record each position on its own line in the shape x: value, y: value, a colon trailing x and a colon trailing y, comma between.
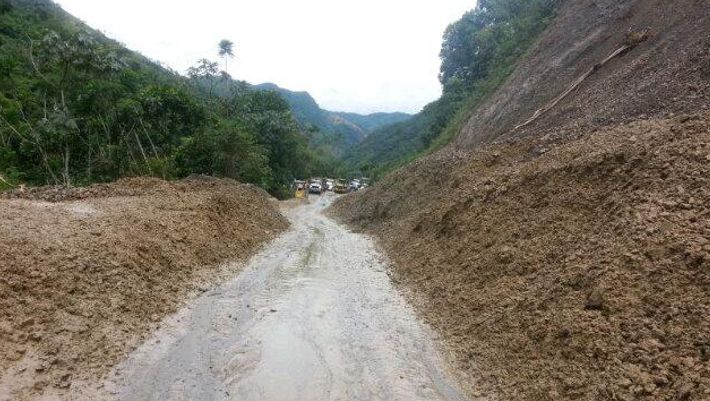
x: 313, y: 316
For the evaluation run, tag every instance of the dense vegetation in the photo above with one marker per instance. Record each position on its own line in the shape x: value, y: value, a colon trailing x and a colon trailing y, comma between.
x: 479, y: 52
x: 332, y: 132
x: 77, y: 108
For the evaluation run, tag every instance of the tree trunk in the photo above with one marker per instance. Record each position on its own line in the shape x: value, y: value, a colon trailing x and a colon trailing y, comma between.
x: 65, y: 173
x: 140, y: 146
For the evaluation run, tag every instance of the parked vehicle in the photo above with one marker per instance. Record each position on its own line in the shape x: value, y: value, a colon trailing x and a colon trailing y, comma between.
x: 315, y: 188
x: 299, y: 189
x: 340, y: 187
x: 354, y: 185
x: 329, y: 185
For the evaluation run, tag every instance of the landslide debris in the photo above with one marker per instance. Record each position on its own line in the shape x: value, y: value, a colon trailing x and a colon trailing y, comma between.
x: 569, y: 259
x: 561, y: 270
x: 85, y: 272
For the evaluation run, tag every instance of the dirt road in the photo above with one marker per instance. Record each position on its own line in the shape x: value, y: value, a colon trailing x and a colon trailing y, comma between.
x: 312, y: 317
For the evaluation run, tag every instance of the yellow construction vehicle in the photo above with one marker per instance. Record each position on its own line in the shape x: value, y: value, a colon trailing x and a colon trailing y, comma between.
x: 300, y: 189
x: 340, y: 186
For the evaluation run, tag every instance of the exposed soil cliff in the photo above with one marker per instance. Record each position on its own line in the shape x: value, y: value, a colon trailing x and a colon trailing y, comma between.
x: 570, y: 259
x: 667, y: 71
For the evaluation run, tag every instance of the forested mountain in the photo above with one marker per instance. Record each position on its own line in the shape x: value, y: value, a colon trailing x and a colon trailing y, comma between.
x: 337, y: 131
x: 374, y: 121
x: 479, y: 52
x: 77, y: 107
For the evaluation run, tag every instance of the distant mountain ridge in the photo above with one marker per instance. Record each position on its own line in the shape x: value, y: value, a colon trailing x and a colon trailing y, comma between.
x: 340, y: 130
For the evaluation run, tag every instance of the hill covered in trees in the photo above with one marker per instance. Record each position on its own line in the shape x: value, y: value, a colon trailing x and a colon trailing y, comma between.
x: 332, y: 131
x: 478, y: 53
x: 77, y: 107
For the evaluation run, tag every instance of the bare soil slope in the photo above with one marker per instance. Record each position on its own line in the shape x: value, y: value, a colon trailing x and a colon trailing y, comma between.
x: 84, y: 277
x: 570, y: 259
x: 668, y: 72
x: 579, y: 273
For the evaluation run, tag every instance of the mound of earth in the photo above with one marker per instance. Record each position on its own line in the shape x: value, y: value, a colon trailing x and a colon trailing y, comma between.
x: 570, y: 258
x: 575, y: 270
x: 85, y: 276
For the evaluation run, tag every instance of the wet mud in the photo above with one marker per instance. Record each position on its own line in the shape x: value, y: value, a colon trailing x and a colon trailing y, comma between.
x: 313, y: 316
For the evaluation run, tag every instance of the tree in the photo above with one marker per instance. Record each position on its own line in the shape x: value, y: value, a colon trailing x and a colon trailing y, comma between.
x: 205, y: 73
x: 45, y: 117
x: 226, y: 50
x: 205, y: 69
x: 488, y: 37
x: 78, y: 108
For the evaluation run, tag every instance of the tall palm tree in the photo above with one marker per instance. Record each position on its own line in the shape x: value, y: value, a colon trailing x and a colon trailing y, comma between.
x: 226, y: 50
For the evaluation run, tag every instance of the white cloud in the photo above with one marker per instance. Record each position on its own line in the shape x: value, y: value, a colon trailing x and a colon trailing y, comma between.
x: 355, y: 55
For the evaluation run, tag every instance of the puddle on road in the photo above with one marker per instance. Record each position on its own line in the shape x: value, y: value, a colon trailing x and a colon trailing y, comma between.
x: 312, y: 317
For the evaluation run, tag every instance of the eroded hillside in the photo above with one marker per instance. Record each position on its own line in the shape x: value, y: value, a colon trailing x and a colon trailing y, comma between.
x: 567, y: 271
x: 569, y: 259
x: 667, y: 70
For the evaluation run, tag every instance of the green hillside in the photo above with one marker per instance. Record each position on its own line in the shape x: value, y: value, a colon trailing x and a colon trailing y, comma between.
x: 335, y: 131
x: 303, y: 106
x: 77, y: 107
x: 479, y: 52
x: 374, y: 121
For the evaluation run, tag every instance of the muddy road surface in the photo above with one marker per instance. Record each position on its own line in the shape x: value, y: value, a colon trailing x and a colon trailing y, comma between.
x: 312, y: 317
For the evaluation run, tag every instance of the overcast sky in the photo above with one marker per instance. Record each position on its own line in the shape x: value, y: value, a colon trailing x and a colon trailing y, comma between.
x: 351, y: 55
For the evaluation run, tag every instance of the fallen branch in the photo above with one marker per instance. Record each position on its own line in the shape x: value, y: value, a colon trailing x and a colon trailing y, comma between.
x: 6, y: 183
x: 632, y: 39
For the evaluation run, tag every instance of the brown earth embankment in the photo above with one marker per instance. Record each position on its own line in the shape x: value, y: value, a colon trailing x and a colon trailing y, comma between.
x: 576, y: 270
x: 86, y: 272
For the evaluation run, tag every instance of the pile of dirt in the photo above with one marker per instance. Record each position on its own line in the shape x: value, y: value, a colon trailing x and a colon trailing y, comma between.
x: 559, y: 271
x: 84, y: 278
x: 577, y: 270
x: 570, y: 259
